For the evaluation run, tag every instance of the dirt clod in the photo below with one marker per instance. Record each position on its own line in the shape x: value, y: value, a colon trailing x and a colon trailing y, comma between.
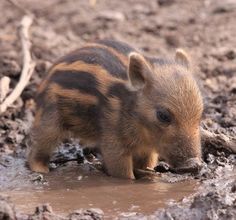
x: 162, y: 167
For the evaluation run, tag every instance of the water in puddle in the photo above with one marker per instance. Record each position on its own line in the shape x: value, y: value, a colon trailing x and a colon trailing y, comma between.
x: 73, y: 187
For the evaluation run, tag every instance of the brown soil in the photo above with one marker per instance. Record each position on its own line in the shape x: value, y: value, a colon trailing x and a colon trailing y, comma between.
x: 206, y: 28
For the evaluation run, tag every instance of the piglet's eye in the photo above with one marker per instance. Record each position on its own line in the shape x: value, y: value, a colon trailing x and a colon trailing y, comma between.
x: 164, y: 116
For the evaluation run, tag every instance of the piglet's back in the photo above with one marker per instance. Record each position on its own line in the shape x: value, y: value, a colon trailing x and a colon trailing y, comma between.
x: 79, y: 84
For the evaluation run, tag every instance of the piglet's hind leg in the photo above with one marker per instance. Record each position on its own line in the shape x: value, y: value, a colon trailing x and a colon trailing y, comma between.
x: 44, y: 138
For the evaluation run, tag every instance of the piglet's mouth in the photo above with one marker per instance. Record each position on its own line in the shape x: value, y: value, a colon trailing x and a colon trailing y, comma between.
x: 192, y: 166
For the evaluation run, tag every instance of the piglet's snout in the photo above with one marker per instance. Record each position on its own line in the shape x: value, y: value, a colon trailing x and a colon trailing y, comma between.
x: 192, y: 165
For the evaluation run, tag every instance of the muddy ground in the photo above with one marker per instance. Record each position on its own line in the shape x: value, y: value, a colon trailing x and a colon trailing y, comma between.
x: 206, y: 28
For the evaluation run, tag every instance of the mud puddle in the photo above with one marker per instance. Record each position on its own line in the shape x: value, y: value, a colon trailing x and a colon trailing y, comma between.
x: 77, y: 186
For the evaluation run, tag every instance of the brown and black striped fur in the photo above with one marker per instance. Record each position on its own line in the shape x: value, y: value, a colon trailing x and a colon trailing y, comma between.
x: 106, y: 94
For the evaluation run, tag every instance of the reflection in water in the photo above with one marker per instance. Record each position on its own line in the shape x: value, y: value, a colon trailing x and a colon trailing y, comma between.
x: 71, y: 187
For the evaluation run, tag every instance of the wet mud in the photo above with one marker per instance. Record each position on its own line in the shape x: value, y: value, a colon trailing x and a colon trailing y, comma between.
x: 73, y: 186
x: 76, y: 188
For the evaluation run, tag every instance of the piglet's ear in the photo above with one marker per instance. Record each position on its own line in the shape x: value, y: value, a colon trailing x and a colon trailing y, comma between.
x: 182, y: 58
x: 139, y: 71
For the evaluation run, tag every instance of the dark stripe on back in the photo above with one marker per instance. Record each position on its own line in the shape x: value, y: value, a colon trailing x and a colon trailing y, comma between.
x: 70, y: 79
x: 83, y: 81
x: 100, y: 56
x: 127, y: 98
x: 117, y: 45
x: 88, y: 114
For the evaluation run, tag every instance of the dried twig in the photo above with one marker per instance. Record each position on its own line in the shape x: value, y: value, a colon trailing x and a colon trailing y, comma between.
x: 4, y: 87
x: 28, y: 64
x: 63, y: 160
x: 218, y: 140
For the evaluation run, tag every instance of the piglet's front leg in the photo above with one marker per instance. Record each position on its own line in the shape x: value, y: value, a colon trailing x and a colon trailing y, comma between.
x: 117, y: 162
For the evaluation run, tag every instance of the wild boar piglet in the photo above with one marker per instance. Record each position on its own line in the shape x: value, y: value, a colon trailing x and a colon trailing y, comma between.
x: 133, y: 108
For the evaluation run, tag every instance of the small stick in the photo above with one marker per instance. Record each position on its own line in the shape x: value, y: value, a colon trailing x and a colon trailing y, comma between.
x: 63, y: 160
x: 4, y: 87
x: 28, y: 64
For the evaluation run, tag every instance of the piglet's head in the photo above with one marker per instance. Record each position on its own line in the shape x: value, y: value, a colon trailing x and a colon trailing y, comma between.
x: 169, y: 107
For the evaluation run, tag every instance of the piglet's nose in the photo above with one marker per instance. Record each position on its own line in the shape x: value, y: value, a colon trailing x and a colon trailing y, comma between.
x: 192, y: 165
